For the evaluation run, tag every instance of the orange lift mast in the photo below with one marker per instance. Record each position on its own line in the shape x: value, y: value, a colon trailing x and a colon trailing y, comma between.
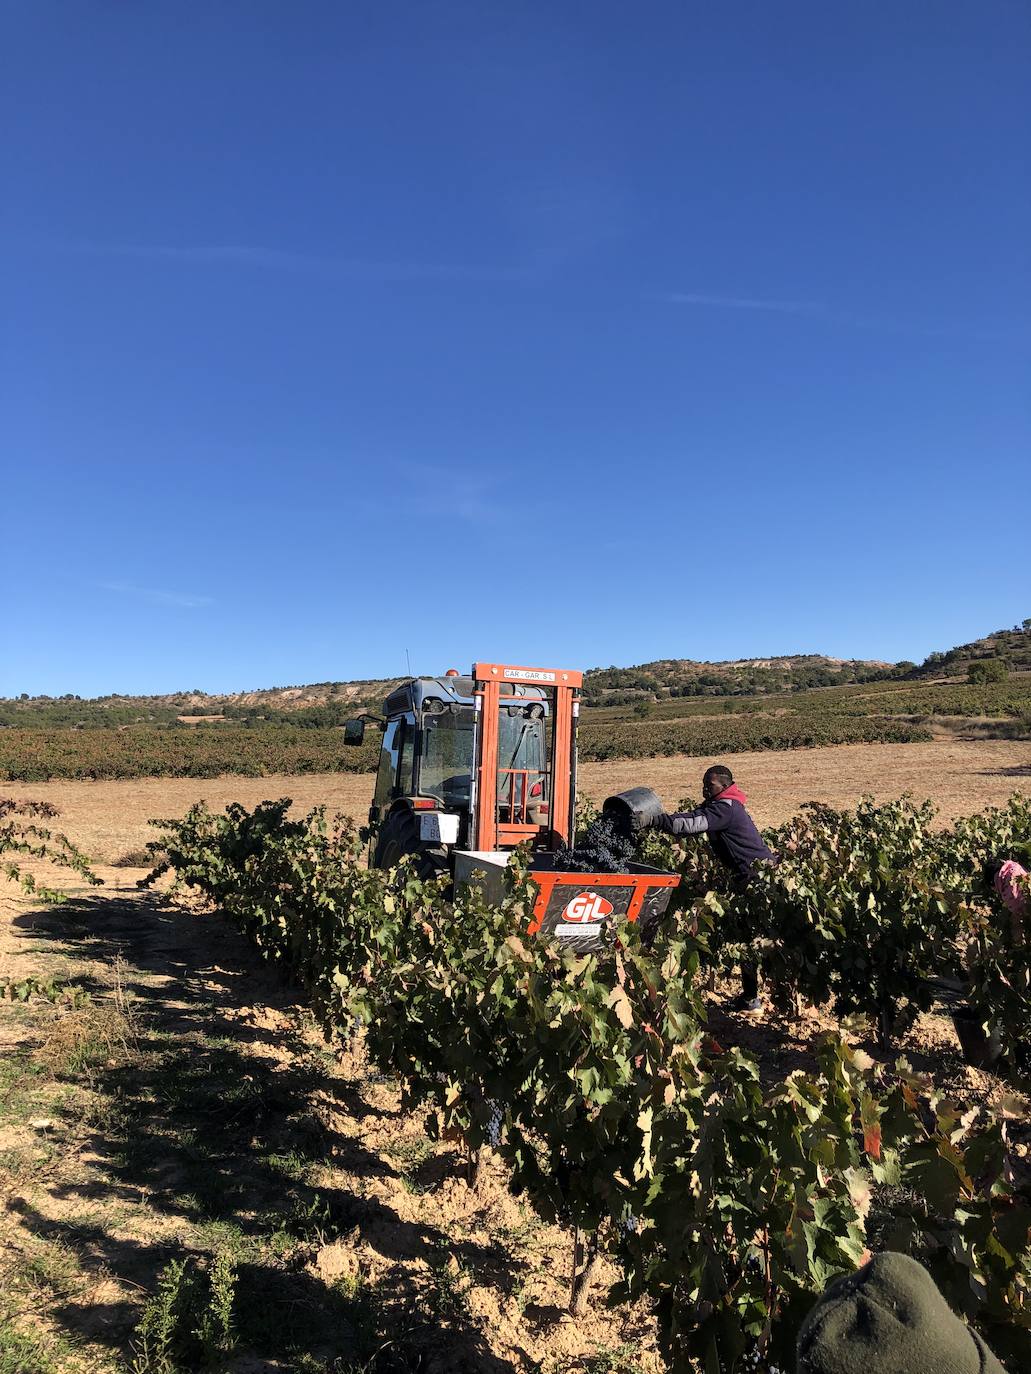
x: 490, y: 832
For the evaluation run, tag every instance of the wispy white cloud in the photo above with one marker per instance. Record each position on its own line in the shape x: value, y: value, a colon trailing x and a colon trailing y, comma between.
x: 157, y: 597
x: 264, y: 259
x: 704, y: 298
x: 850, y: 319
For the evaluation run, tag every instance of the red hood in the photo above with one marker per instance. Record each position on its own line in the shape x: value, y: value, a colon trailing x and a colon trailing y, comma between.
x: 733, y: 793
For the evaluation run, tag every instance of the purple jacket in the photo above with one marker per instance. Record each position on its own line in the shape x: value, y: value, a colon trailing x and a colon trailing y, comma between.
x: 733, y: 834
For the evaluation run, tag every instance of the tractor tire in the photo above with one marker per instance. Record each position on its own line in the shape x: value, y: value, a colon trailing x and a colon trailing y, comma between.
x: 400, y: 836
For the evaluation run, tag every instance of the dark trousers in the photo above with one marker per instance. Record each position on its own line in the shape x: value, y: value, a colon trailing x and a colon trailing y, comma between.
x: 749, y: 971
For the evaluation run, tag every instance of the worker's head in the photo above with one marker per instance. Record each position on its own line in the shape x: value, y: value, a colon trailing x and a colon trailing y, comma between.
x: 1017, y: 853
x: 716, y: 780
x: 886, y: 1317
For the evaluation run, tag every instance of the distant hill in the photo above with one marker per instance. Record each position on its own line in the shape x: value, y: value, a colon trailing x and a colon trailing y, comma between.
x: 684, y: 677
x: 1012, y: 646
x: 329, y: 703
x: 671, y: 706
x: 320, y: 703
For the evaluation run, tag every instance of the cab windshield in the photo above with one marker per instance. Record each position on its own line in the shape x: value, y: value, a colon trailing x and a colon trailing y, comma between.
x: 446, y: 756
x: 520, y: 742
x: 522, y: 754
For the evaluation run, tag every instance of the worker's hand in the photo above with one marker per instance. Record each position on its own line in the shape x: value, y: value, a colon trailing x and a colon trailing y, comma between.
x: 623, y: 823
x: 653, y: 821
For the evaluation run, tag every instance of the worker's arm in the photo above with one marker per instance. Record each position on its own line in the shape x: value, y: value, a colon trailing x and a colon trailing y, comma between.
x: 703, y: 820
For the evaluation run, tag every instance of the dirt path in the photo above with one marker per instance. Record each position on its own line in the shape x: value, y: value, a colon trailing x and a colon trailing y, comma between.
x: 189, y: 1111
x: 109, y: 819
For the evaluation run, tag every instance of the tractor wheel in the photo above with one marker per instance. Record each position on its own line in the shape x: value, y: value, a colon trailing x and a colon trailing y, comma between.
x: 400, y: 836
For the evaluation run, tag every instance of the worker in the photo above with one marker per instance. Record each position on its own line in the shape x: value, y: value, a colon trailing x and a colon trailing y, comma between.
x: 1009, y: 878
x: 889, y: 1318
x: 735, y: 841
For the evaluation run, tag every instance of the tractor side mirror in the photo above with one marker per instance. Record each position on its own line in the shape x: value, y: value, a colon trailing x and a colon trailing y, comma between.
x: 354, y: 732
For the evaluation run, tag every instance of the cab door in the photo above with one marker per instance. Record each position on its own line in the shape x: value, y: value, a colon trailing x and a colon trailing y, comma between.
x: 386, y: 775
x: 396, y: 762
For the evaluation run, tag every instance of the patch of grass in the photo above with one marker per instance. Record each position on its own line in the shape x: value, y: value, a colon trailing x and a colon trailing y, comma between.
x: 529, y: 1226
x: 310, y: 1220
x: 407, y: 1155
x: 228, y: 1238
x: 30, y: 1352
x: 86, y: 1033
x: 21, y: 1165
x: 210, y: 1189
x: 52, y: 1269
x: 188, y: 1323
x: 451, y: 1284
x: 611, y: 1360
x: 409, y: 1152
x: 521, y: 1293
x: 82, y: 1226
x: 188, y: 1205
x: 19, y: 1013
x: 78, y: 1042
x: 20, y: 1083
x: 292, y: 1164
x: 194, y: 1079
x: 52, y: 951
x: 377, y: 1343
x: 23, y: 1354
x: 109, y: 1115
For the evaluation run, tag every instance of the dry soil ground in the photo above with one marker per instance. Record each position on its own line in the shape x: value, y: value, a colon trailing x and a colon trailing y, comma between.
x: 189, y: 1110
x: 109, y: 819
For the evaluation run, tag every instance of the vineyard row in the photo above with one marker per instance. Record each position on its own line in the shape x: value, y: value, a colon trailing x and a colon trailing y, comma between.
x: 262, y: 750
x: 726, y: 1205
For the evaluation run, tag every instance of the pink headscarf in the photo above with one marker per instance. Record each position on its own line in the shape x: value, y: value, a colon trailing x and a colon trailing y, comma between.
x: 1012, y: 891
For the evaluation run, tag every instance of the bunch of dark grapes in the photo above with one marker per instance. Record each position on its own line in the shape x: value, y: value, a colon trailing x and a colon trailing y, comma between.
x: 605, y: 848
x: 494, y: 1123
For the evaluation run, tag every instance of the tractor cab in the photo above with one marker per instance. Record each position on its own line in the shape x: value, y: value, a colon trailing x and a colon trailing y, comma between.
x: 469, y: 762
x: 429, y: 738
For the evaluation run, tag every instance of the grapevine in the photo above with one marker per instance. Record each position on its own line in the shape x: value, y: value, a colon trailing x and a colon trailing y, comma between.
x: 726, y: 1205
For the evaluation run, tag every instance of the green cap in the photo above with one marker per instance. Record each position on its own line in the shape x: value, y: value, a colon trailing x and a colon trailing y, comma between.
x: 889, y: 1318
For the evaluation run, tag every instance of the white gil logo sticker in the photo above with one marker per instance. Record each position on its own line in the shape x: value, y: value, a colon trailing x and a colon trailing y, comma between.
x: 587, y: 906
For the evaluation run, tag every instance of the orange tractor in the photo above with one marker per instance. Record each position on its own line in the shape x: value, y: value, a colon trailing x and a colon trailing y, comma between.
x: 471, y: 767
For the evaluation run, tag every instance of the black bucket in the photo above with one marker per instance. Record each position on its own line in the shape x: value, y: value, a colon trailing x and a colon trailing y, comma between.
x: 633, y: 810
x: 980, y: 1050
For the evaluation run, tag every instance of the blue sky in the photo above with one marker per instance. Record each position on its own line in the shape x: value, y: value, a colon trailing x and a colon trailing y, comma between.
x: 563, y: 333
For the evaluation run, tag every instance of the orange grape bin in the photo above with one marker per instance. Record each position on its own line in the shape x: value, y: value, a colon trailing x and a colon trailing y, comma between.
x: 583, y: 910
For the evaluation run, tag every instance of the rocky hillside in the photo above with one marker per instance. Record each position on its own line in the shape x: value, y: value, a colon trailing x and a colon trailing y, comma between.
x: 682, y: 677
x: 329, y: 703
x: 1013, y: 647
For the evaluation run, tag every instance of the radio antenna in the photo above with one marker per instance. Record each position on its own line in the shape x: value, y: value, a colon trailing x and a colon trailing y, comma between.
x: 408, y: 661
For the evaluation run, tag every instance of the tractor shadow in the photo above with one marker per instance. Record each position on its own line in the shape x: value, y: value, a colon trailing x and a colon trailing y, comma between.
x: 214, y: 1133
